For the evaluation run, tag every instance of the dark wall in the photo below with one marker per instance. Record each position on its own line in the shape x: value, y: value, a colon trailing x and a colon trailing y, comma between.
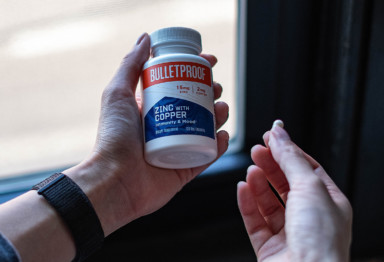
x: 368, y: 193
x: 280, y: 58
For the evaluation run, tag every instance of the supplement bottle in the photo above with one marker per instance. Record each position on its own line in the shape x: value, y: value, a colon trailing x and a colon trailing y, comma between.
x: 178, y: 114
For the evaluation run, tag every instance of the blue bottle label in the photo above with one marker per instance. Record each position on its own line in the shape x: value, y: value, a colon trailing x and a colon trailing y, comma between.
x: 175, y: 116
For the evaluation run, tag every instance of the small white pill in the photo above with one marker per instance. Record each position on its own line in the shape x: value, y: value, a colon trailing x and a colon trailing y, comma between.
x: 279, y: 123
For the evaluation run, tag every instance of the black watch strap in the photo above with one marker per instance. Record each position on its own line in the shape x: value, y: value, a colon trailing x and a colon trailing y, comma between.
x: 76, y: 210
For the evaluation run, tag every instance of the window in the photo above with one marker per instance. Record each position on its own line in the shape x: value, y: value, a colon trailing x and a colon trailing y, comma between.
x: 57, y: 57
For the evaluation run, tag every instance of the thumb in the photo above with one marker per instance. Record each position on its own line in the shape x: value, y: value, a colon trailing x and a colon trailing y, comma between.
x: 128, y: 74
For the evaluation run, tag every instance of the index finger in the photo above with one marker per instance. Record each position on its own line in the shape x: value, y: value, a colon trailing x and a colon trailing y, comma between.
x: 290, y: 158
x: 310, y: 159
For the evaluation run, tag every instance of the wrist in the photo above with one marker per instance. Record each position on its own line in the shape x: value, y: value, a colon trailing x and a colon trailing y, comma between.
x: 36, y: 238
x: 99, y: 180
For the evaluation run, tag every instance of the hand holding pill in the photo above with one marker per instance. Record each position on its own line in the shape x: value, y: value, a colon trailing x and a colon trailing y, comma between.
x: 311, y: 221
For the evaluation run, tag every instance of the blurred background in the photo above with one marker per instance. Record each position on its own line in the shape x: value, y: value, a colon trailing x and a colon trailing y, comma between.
x: 56, y: 57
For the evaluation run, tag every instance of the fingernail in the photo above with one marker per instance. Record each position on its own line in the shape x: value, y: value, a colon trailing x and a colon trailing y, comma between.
x: 253, y: 148
x: 250, y: 167
x: 141, y: 38
x: 240, y: 184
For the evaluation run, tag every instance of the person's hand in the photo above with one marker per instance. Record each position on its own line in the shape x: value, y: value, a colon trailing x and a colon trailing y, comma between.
x: 315, y: 224
x: 136, y: 188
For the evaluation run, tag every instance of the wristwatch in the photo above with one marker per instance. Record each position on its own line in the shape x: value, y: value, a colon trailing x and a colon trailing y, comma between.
x: 74, y: 207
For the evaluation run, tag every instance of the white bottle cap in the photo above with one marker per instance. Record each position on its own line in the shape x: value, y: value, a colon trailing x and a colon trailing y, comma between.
x: 176, y: 36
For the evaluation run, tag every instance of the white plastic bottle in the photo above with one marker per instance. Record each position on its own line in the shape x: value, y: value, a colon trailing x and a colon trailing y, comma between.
x: 178, y: 101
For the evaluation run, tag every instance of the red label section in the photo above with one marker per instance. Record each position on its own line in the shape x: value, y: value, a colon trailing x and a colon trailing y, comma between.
x: 176, y: 71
